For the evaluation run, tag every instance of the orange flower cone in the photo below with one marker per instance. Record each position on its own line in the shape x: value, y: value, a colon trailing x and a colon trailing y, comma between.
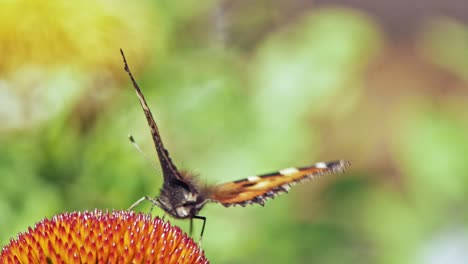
x: 102, y: 237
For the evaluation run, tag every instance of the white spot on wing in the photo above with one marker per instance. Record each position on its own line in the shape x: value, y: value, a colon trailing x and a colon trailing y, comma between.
x: 321, y: 165
x: 253, y: 178
x: 288, y: 171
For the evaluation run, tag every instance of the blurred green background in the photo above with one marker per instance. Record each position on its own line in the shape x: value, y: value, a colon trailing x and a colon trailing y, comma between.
x: 242, y: 88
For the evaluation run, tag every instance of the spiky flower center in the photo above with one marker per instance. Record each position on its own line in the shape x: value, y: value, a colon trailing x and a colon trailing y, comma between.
x: 102, y: 237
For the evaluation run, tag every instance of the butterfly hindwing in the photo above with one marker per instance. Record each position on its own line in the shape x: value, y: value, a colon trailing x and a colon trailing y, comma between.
x: 257, y: 189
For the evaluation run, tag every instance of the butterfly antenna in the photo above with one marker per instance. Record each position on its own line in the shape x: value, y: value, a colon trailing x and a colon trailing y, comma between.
x: 132, y: 140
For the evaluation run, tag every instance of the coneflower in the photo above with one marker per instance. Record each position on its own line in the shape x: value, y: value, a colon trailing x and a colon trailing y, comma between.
x: 103, y: 237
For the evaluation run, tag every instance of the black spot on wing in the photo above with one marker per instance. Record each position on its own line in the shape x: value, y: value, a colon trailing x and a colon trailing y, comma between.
x: 241, y: 180
x: 273, y: 174
x: 248, y: 184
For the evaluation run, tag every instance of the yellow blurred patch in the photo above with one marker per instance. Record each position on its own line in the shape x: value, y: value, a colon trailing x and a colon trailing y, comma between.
x: 87, y: 34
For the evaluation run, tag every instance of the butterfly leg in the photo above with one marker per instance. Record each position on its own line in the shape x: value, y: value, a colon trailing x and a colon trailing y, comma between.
x: 203, y: 226
x: 144, y: 198
x: 191, y: 227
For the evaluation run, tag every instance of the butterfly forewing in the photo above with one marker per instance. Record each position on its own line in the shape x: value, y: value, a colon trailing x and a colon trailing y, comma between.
x: 170, y: 171
x: 257, y: 189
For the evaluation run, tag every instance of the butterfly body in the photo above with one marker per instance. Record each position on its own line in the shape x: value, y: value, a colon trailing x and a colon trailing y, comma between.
x: 180, y: 199
x: 183, y: 198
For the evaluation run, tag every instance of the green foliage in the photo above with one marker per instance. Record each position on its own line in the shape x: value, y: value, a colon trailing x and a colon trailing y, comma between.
x: 228, y: 108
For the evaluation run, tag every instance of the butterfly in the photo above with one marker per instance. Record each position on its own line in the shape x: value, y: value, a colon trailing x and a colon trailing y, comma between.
x: 182, y: 197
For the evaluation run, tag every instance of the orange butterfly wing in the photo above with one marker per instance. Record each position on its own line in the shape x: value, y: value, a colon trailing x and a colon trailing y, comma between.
x: 257, y: 189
